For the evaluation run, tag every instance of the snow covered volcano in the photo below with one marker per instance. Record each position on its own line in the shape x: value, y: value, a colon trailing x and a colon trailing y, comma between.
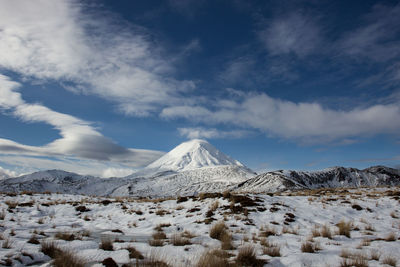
x: 192, y: 155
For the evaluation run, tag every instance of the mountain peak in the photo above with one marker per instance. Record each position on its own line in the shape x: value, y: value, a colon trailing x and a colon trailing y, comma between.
x: 192, y: 154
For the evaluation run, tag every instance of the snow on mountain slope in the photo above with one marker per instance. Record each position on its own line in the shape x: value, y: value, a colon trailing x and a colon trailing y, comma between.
x: 61, y: 181
x: 190, y: 182
x: 191, y: 155
x: 328, y: 178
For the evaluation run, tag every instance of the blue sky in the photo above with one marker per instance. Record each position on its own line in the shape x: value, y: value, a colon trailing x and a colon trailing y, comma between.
x: 105, y: 87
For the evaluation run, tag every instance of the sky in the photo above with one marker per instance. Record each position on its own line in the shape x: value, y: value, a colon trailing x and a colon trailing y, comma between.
x: 106, y: 87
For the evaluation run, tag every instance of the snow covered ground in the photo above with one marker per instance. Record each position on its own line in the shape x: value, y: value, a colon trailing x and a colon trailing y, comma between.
x: 285, y: 225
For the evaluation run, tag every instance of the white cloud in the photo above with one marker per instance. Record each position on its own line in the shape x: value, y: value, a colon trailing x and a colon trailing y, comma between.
x: 308, y: 122
x: 377, y: 39
x: 28, y: 164
x: 66, y: 41
x: 117, y: 172
x: 212, y: 133
x: 293, y: 33
x: 78, y: 137
x: 186, y: 7
x: 4, y: 173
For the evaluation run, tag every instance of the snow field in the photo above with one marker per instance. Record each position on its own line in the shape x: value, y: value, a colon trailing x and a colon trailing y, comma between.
x: 282, y: 225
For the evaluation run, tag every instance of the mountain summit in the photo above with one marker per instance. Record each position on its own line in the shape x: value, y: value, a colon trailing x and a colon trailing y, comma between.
x: 191, y: 155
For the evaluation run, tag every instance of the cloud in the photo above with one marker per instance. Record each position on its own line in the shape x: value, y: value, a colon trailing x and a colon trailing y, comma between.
x: 237, y: 69
x: 199, y: 132
x: 186, y: 7
x: 377, y: 39
x: 4, y: 173
x: 78, y: 138
x: 65, y: 41
x: 28, y: 164
x: 307, y: 122
x: 117, y: 172
x: 294, y: 33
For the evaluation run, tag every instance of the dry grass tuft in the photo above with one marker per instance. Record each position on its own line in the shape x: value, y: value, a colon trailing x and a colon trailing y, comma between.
x: 156, y: 242
x: 158, y: 238
x: 315, y: 232
x: 212, y: 259
x: 354, y: 263
x: 226, y: 241
x: 214, y: 206
x: 390, y: 261
x: 375, y: 255
x: 134, y: 254
x: 159, y: 235
x: 154, y: 260
x: 66, y: 258
x: 267, y: 231
x: 218, y: 230
x: 391, y: 237
x: 188, y: 234
x: 49, y: 248
x: 179, y: 240
x: 345, y: 228
x: 247, y: 257
x: 66, y: 236
x: 106, y: 244
x: 326, y: 231
x: 356, y: 259
x: 7, y: 243
x: 3, y: 214
x: 369, y: 227
x: 310, y: 247
x: 33, y: 240
x: 270, y: 249
x: 11, y: 204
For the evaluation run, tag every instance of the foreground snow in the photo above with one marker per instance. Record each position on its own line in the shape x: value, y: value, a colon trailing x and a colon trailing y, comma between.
x: 284, y: 220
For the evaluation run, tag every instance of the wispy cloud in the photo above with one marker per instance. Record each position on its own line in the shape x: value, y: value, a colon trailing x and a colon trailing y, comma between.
x: 66, y: 41
x: 78, y: 138
x: 307, y: 122
x: 5, y: 173
x: 27, y: 164
x: 377, y: 38
x: 211, y: 133
x: 292, y: 33
x: 187, y: 8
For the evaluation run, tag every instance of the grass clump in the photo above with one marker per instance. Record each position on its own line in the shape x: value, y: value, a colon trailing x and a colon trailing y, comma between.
x: 375, y: 255
x: 106, y: 244
x: 391, y: 237
x: 213, y: 258
x: 326, y: 231
x: 345, y: 228
x: 33, y: 240
x: 134, y: 254
x: 310, y: 247
x: 179, y: 240
x: 158, y: 238
x: 65, y: 236
x: 2, y: 214
x: 7, y: 243
x: 218, y: 230
x: 271, y: 249
x: 49, y: 248
x: 267, y: 231
x: 353, y: 259
x: 226, y: 241
x: 247, y: 257
x: 66, y: 258
x: 390, y: 261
